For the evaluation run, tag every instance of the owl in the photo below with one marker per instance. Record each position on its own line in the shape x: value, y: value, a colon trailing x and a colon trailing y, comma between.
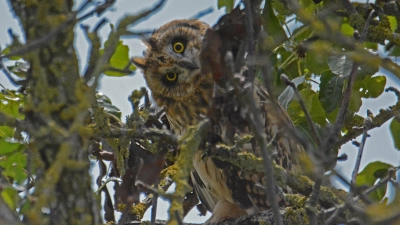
x: 172, y: 70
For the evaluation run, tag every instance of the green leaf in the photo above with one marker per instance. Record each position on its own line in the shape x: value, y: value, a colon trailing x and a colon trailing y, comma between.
x: 371, y: 45
x: 346, y: 29
x: 394, y: 51
x: 281, y: 8
x: 8, y: 51
x: 119, y: 60
x: 14, y: 165
x: 395, y: 131
x: 340, y: 65
x: 393, y: 23
x: 375, y: 86
x: 6, y: 132
x: 271, y: 23
x: 371, y: 173
x: 308, y: 6
x: 315, y: 60
x: 355, y: 101
x: 302, y: 33
x: 313, y: 106
x: 10, y: 197
x: 20, y: 69
x: 226, y: 3
x: 10, y: 103
x: 331, y: 90
x: 370, y: 87
x: 7, y: 146
x: 106, y: 103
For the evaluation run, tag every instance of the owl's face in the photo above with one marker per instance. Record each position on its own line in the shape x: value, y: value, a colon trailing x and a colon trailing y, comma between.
x: 171, y: 64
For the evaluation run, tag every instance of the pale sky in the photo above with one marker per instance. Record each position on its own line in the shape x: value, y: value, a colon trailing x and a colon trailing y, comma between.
x: 378, y: 147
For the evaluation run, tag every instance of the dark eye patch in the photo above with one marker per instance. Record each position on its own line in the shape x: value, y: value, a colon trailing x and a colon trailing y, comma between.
x: 179, y: 39
x: 161, y: 59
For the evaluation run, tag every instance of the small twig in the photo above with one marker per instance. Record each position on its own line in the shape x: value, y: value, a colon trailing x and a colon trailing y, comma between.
x: 381, y: 118
x: 367, y: 121
x: 203, y: 13
x: 148, y: 201
x: 347, y: 93
x: 333, y: 218
x: 43, y: 41
x: 8, y: 74
x: 114, y: 39
x: 362, y: 196
x: 343, y: 108
x: 113, y: 69
x: 100, y: 24
x: 178, y: 217
x: 396, y: 91
x: 105, y: 183
x: 247, y: 100
x: 313, y: 201
x: 139, y: 33
x: 249, y: 39
x: 288, y: 82
x: 391, y: 173
x: 100, y: 9
x: 365, y: 30
x: 154, y: 206
x: 83, y: 6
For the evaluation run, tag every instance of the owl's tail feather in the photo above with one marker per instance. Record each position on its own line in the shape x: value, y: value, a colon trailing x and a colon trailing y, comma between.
x: 205, y: 196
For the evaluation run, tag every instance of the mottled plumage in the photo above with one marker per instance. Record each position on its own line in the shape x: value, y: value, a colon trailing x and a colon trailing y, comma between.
x: 172, y: 71
x: 188, y: 97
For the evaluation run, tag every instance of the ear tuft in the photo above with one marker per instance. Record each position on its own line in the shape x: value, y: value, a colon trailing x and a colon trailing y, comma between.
x: 139, y: 62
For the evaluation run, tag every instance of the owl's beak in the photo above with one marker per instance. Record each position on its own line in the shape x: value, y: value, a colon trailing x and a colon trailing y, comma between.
x: 188, y: 65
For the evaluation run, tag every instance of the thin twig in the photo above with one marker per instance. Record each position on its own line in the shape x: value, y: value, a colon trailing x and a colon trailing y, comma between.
x: 154, y: 206
x: 249, y: 39
x: 139, y: 33
x: 288, y: 82
x: 45, y: 40
x: 365, y: 30
x: 246, y: 99
x: 8, y: 74
x: 388, y: 177
x: 114, y: 38
x: 332, y: 138
x: 313, y: 201
x: 396, y: 92
x: 105, y: 183
x: 363, y: 195
x: 360, y: 153
x: 381, y: 118
x: 100, y: 9
x: 335, y: 215
x: 203, y: 13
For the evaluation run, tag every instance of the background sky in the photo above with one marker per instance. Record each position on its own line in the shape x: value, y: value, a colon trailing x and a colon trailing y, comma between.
x: 379, y: 146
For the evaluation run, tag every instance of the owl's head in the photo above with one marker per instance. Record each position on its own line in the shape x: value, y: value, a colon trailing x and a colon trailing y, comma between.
x: 171, y: 64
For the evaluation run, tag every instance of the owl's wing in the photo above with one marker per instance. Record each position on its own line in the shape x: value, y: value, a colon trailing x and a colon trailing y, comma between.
x: 204, y: 194
x: 277, y: 124
x: 221, y: 180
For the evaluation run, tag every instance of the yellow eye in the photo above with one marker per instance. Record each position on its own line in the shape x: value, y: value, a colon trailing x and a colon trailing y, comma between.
x: 179, y: 47
x: 171, y: 76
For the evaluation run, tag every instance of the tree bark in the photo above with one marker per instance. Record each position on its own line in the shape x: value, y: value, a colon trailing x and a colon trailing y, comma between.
x: 56, y: 109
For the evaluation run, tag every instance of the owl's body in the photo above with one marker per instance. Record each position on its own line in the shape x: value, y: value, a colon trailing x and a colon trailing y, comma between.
x: 172, y: 71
